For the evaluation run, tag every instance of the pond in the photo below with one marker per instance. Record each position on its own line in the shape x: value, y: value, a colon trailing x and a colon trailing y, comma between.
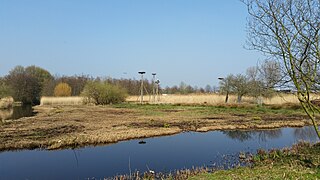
x: 163, y: 154
x: 16, y: 112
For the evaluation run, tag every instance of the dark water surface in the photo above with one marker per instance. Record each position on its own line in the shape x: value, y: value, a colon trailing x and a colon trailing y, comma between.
x: 159, y: 154
x: 16, y: 112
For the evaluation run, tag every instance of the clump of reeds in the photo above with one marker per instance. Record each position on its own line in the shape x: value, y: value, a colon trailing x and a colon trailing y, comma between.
x: 6, y: 102
x: 179, y: 174
x: 75, y: 100
x: 292, y: 155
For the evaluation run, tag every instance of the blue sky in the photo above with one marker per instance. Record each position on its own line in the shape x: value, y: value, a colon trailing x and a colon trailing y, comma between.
x: 194, y: 41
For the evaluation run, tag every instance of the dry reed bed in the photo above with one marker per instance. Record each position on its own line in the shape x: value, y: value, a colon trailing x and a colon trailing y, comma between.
x: 217, y: 99
x: 75, y: 100
x: 210, y: 99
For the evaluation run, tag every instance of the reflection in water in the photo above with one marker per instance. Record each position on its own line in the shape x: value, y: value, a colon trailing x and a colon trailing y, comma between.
x: 239, y: 135
x: 269, y: 134
x: 262, y: 135
x: 161, y: 154
x: 307, y: 132
x: 76, y: 157
x: 16, y: 112
x: 6, y: 114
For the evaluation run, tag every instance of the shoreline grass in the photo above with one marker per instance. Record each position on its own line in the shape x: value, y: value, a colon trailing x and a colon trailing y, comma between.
x: 301, y: 161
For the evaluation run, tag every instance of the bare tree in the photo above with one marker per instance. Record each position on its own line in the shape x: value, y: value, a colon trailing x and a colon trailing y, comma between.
x: 225, y: 86
x: 269, y: 73
x: 239, y: 86
x: 257, y: 88
x: 208, y: 89
x: 263, y: 79
x: 235, y: 84
x: 288, y: 31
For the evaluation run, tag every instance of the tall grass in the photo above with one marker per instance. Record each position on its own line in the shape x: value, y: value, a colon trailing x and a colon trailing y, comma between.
x: 75, y: 100
x: 216, y: 99
x: 6, y: 102
x: 210, y: 99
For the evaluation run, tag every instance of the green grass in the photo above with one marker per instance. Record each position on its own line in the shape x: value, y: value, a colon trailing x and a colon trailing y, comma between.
x: 160, y: 109
x: 264, y: 172
x: 302, y: 161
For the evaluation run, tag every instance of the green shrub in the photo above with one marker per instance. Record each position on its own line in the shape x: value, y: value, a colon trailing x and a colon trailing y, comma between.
x: 27, y: 83
x: 102, y: 93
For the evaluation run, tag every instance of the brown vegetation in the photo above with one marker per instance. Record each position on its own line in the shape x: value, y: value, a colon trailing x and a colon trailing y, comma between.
x: 6, y: 102
x: 76, y: 126
x: 209, y: 99
x: 75, y: 100
x: 216, y: 99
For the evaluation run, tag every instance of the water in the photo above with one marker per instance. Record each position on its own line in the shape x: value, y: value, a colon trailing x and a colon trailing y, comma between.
x: 16, y: 112
x: 160, y: 154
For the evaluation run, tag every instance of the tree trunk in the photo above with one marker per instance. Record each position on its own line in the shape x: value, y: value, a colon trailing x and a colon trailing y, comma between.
x: 239, y: 98
x: 227, y: 97
x: 259, y: 100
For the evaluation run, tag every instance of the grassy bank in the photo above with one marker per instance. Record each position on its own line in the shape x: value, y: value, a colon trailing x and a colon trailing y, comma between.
x: 302, y: 161
x: 56, y: 127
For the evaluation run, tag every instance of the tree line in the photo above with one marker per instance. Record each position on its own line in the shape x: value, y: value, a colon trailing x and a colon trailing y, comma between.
x: 184, y: 88
x: 28, y: 84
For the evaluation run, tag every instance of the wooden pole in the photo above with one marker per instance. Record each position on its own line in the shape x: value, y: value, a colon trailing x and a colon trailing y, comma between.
x: 153, y: 87
x: 141, y: 88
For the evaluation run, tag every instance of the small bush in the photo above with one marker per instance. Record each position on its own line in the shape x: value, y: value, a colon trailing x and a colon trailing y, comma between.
x: 166, y: 125
x: 62, y: 89
x: 102, y: 93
